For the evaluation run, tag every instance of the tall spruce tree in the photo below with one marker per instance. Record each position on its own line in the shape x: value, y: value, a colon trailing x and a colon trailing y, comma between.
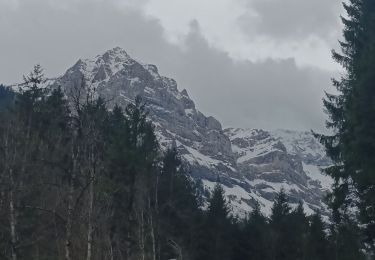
x: 352, y: 119
x: 252, y: 237
x: 177, y: 208
x: 298, y: 228
x: 279, y: 224
x: 317, y: 247
x: 217, y: 226
x: 344, y: 241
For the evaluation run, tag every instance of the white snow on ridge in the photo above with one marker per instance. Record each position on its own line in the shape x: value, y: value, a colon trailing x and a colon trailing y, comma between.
x: 111, y: 61
x: 196, y: 157
x: 253, y: 163
x: 189, y: 112
x: 316, y: 174
x: 300, y: 142
x: 237, y: 197
x: 276, y: 186
x: 254, y: 148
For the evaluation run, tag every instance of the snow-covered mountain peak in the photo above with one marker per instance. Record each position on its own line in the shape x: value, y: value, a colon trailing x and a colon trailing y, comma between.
x: 103, y: 66
x: 303, y: 144
x: 252, y: 164
x: 292, y: 160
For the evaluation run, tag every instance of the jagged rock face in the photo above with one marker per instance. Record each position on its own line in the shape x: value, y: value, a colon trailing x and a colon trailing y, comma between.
x: 120, y: 79
x: 271, y: 160
x: 253, y: 165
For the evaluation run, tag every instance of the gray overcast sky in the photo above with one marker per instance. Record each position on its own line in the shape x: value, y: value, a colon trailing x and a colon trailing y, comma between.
x: 250, y: 63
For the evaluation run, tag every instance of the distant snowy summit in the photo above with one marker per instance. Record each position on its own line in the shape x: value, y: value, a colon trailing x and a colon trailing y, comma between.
x: 252, y: 164
x: 282, y: 159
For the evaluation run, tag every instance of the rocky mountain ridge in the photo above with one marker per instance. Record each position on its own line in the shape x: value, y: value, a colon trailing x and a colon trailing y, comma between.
x: 252, y: 164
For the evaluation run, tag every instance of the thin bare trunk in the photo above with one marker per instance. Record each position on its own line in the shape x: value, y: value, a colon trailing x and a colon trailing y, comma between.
x: 156, y: 194
x: 58, y: 249
x: 69, y: 222
x: 91, y: 206
x: 153, y: 241
x: 112, y: 245
x: 12, y: 215
x: 90, y: 224
x: 12, y: 211
x: 177, y: 248
x: 141, y: 236
x: 127, y: 252
x: 111, y: 253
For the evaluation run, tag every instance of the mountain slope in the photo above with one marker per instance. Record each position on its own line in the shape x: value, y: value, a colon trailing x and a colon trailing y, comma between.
x: 251, y: 164
x: 289, y: 160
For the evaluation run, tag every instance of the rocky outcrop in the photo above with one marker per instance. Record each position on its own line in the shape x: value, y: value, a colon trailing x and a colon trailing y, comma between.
x: 253, y: 165
x: 289, y: 160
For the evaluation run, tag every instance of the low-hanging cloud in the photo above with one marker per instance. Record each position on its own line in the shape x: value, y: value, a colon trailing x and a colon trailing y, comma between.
x: 292, y: 19
x: 266, y: 94
x: 269, y: 94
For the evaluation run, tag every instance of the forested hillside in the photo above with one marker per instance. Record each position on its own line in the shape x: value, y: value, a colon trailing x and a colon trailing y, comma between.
x: 83, y: 176
x: 80, y: 181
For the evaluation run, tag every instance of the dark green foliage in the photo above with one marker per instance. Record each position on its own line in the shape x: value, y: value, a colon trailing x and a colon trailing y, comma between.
x: 217, y: 227
x: 80, y: 181
x: 280, y: 224
x: 6, y: 97
x: 218, y: 209
x: 30, y: 147
x: 177, y: 208
x: 345, y: 242
x: 280, y: 209
x: 298, y: 228
x: 317, y: 244
x: 352, y: 119
x: 252, y: 241
x: 176, y: 200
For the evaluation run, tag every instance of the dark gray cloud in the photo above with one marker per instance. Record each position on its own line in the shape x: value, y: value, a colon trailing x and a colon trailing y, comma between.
x: 267, y: 94
x: 292, y: 19
x: 56, y: 36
